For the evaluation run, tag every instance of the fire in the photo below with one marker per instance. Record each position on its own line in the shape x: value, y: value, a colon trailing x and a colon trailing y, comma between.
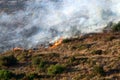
x: 17, y: 49
x: 57, y: 43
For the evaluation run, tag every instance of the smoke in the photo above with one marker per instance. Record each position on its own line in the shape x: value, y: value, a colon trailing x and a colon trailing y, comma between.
x: 44, y: 21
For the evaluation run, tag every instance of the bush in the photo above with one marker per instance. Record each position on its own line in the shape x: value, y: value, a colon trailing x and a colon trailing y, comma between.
x: 39, y: 62
x: 80, y: 47
x: 31, y: 76
x: 53, y: 55
x: 20, y: 76
x: 83, y: 60
x: 5, y: 75
x: 8, y: 60
x: 116, y: 27
x: 72, y: 59
x: 23, y: 56
x: 66, y: 40
x: 110, y: 38
x: 56, y: 69
x: 99, y: 70
x: 42, y: 64
x: 99, y: 52
x: 36, y: 60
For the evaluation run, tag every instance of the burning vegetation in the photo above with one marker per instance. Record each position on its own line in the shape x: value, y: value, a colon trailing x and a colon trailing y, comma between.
x: 57, y: 43
x: 18, y: 49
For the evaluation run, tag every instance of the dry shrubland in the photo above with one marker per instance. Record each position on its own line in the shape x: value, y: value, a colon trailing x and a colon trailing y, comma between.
x: 89, y: 57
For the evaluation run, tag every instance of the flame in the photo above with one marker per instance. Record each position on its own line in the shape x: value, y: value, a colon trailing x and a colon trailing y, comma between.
x: 57, y: 43
x: 17, y: 49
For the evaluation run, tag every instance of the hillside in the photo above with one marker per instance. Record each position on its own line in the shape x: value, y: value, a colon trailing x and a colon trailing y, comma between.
x: 28, y: 23
x: 94, y: 56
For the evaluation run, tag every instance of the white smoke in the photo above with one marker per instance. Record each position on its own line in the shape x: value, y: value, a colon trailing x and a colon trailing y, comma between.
x: 47, y: 20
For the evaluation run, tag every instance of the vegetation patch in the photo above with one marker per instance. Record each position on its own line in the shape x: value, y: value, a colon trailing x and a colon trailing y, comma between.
x: 56, y: 69
x: 5, y: 75
x: 98, y: 52
x: 42, y: 64
x: 36, y: 60
x: 99, y: 70
x: 31, y: 76
x: 23, y: 56
x: 66, y: 40
x: 72, y: 59
x: 39, y: 62
x: 83, y: 60
x: 110, y: 38
x: 53, y: 55
x: 8, y: 60
x: 116, y: 27
x: 80, y: 47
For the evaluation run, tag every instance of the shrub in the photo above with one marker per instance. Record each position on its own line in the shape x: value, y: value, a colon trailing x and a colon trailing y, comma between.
x: 19, y: 76
x: 53, y: 55
x: 55, y: 69
x: 39, y: 62
x: 83, y: 60
x: 5, y: 75
x: 110, y: 38
x: 36, y: 60
x: 66, y: 40
x: 80, y: 47
x: 42, y: 64
x: 99, y: 70
x: 8, y: 60
x: 99, y: 52
x: 31, y: 76
x: 116, y: 27
x: 23, y: 56
x: 72, y: 59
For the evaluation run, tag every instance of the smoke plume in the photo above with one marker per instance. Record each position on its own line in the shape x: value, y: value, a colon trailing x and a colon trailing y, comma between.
x: 42, y: 21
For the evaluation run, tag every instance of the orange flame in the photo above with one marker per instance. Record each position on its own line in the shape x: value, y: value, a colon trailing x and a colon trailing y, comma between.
x: 17, y: 49
x: 57, y: 43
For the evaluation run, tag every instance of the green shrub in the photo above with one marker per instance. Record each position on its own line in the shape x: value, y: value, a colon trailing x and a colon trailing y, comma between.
x: 116, y: 27
x: 110, y: 38
x: 55, y: 69
x: 23, y: 56
x: 53, y: 55
x: 66, y: 40
x: 83, y: 60
x: 99, y: 70
x: 5, y: 75
x: 31, y: 76
x: 42, y: 64
x: 39, y: 62
x: 20, y: 76
x: 8, y: 60
x: 72, y: 59
x: 99, y: 52
x: 36, y: 60
x: 80, y: 47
